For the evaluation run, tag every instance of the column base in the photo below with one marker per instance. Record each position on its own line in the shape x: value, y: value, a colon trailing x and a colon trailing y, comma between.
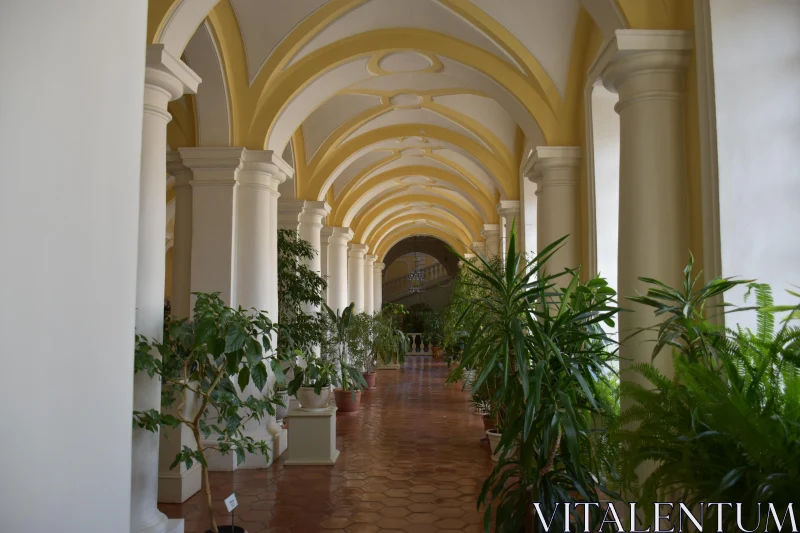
x: 177, y: 487
x: 228, y: 463
x: 175, y: 526
x: 280, y: 443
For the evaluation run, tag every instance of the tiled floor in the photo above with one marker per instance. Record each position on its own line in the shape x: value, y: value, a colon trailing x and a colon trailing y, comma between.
x: 410, y: 462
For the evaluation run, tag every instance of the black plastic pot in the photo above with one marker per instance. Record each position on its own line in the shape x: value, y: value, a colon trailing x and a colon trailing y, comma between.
x: 228, y: 529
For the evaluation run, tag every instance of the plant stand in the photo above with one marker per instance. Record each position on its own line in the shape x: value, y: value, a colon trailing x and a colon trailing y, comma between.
x: 312, y: 439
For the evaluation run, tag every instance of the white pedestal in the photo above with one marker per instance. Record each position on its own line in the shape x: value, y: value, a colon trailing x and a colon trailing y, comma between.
x: 280, y: 443
x: 312, y: 437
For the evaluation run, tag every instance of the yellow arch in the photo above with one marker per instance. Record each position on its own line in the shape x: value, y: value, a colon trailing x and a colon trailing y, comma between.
x: 399, y: 234
x: 354, y: 191
x: 529, y: 92
x: 444, y: 221
x: 363, y: 219
x: 361, y: 234
x: 322, y: 171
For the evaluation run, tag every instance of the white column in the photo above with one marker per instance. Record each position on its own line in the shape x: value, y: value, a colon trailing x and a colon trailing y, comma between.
x: 68, y: 233
x: 491, y: 238
x: 324, y: 238
x: 377, y: 286
x: 510, y: 213
x: 648, y: 73
x: 214, y: 196
x: 166, y: 79
x: 182, y: 235
x: 369, y: 288
x: 556, y: 171
x: 338, y: 296
x: 256, y: 265
x: 309, y: 229
x: 356, y: 277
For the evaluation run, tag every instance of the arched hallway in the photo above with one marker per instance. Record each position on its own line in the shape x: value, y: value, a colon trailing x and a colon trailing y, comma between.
x: 410, y: 461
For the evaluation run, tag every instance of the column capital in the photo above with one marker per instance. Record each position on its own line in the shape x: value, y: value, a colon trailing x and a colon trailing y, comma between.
x: 378, y: 266
x: 646, y: 64
x: 554, y: 166
x: 176, y: 168
x: 166, y: 78
x: 508, y: 207
x: 313, y: 212
x: 369, y: 260
x: 212, y: 166
x: 490, y: 229
x: 263, y: 168
x: 357, y: 250
x: 340, y: 236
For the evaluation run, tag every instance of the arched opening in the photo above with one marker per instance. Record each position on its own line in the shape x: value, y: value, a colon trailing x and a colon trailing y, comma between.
x: 419, y: 271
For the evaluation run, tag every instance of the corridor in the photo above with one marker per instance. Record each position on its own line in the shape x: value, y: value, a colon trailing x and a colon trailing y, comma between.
x: 410, y: 461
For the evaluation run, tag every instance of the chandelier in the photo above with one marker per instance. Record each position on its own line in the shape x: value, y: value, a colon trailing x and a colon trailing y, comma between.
x: 416, y: 278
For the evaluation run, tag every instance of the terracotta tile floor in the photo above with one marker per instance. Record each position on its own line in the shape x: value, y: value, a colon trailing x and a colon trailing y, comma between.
x: 410, y: 462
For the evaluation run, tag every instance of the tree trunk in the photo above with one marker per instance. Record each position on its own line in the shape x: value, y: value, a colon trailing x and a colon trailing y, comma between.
x: 206, y: 483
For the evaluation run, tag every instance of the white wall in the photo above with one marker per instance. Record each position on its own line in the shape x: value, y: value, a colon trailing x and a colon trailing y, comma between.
x: 70, y: 139
x: 605, y: 129
x: 757, y: 76
x: 528, y: 195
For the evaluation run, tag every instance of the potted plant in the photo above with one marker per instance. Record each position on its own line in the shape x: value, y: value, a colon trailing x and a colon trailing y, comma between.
x: 537, y: 340
x: 313, y: 377
x: 200, y: 363
x: 362, y: 347
x: 350, y: 380
x: 282, y: 397
x: 391, y: 344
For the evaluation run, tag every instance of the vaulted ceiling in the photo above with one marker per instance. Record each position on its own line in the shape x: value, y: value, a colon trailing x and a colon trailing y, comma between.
x: 406, y: 116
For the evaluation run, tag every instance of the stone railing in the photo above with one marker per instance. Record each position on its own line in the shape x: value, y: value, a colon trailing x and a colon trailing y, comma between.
x: 397, y: 286
x: 417, y: 345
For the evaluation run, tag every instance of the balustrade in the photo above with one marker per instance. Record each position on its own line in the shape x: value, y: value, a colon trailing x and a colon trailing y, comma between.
x: 417, y: 345
x: 431, y: 274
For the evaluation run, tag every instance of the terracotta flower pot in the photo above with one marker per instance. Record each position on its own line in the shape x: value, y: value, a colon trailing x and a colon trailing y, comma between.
x: 346, y: 401
x: 370, y: 377
x: 487, y: 423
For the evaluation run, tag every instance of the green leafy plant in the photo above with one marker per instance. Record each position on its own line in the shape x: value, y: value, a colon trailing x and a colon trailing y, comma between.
x: 350, y: 378
x: 200, y: 362
x: 390, y: 343
x: 361, y: 342
x: 313, y: 371
x: 542, y: 349
x: 725, y: 426
x: 299, y: 288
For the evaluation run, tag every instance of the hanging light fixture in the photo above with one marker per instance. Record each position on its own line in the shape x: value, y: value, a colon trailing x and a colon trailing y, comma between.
x: 416, y: 278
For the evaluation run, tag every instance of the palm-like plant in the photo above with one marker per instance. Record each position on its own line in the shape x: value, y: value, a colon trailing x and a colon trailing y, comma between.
x: 544, y: 352
x: 725, y: 427
x: 351, y: 378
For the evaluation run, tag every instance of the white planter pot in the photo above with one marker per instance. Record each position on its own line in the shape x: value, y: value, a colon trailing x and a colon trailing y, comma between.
x: 281, y: 412
x: 494, y: 440
x: 311, y: 400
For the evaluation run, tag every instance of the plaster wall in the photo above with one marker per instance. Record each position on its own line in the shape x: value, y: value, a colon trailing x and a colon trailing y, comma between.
x: 71, y: 102
x: 756, y: 48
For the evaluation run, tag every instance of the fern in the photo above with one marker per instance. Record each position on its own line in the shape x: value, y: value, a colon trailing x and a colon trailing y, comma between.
x: 725, y: 428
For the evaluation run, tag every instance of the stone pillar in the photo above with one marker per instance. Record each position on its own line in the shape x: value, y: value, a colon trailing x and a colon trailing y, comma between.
x: 556, y: 171
x: 491, y: 238
x: 325, y: 239
x: 377, y: 286
x: 647, y: 71
x: 166, y: 78
x: 289, y: 212
x: 256, y: 267
x: 338, y: 296
x: 214, y: 197
x: 511, y: 218
x: 182, y: 235
x: 369, y: 288
x: 356, y: 277
x: 309, y: 228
